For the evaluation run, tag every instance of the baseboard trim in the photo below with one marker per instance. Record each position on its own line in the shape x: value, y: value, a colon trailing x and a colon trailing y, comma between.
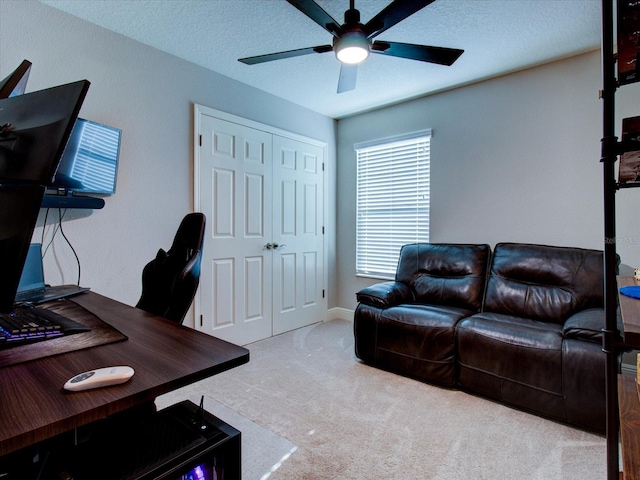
x: 340, y: 314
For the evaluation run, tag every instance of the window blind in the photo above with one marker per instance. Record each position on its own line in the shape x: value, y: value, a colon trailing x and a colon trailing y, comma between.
x: 392, y: 201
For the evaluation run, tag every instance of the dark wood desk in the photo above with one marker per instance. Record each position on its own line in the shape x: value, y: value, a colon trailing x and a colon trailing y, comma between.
x: 630, y: 311
x: 628, y: 402
x: 164, y: 355
x: 629, y: 426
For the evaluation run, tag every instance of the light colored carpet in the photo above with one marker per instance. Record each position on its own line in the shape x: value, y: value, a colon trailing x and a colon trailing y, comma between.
x: 324, y: 415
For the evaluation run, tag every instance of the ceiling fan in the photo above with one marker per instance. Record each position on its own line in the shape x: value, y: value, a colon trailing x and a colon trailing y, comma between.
x: 353, y: 41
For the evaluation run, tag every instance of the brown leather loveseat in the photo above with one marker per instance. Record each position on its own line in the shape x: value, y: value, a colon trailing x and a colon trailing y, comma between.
x: 521, y: 325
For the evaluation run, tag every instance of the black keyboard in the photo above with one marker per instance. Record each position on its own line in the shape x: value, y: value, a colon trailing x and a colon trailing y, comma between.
x: 32, y: 324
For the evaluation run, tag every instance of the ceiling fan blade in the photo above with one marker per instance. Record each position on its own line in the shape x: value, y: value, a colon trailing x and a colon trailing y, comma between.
x: 315, y: 12
x: 347, y: 80
x: 423, y: 53
x: 395, y: 12
x: 288, y: 54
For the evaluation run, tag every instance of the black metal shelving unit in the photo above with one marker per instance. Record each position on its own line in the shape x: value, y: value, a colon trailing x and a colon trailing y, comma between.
x: 608, y: 159
x: 611, y: 148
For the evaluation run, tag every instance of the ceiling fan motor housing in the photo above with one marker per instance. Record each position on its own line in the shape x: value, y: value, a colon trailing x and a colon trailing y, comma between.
x: 352, y: 17
x: 352, y: 46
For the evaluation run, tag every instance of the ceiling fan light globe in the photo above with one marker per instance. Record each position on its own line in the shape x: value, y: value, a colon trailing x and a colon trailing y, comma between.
x: 352, y: 55
x: 352, y: 48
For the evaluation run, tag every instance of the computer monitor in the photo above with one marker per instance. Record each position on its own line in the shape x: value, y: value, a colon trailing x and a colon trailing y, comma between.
x: 34, y: 129
x: 19, y: 208
x: 89, y: 164
x: 15, y: 83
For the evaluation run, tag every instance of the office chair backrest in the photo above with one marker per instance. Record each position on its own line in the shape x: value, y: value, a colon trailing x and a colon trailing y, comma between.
x: 170, y: 281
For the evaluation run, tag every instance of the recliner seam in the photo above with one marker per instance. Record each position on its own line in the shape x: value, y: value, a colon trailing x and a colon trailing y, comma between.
x: 512, y: 343
x: 507, y: 379
x: 448, y: 360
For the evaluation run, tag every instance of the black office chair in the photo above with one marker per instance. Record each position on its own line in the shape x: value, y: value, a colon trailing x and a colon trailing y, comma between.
x: 170, y: 281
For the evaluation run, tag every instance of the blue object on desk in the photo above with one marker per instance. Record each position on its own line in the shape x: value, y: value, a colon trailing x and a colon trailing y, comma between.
x: 631, y: 291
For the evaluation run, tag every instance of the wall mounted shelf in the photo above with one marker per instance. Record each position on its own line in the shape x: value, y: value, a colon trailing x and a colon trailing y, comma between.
x: 69, y: 201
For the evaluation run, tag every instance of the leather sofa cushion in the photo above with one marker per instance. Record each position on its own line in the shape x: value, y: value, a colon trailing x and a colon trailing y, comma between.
x: 518, y: 350
x: 419, y: 340
x: 445, y: 274
x: 419, y: 331
x: 545, y: 283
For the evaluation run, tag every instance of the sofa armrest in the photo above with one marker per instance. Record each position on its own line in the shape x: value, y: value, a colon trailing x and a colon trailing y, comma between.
x: 385, y: 294
x: 588, y: 324
x: 585, y: 325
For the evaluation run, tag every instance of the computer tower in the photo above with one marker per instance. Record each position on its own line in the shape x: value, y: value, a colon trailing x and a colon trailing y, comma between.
x: 180, y: 442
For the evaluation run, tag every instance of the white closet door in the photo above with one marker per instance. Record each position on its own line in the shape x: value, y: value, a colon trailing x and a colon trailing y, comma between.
x: 235, y: 182
x: 298, y: 258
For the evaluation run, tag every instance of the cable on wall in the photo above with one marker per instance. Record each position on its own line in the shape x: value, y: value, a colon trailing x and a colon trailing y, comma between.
x: 58, y: 227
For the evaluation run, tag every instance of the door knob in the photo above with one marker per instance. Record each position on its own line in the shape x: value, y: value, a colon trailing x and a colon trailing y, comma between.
x: 274, y: 246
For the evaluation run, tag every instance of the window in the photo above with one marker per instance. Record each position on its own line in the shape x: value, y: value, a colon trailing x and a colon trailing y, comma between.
x: 392, y: 200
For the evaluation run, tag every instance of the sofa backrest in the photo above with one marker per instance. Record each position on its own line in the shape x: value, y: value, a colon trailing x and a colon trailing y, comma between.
x: 445, y: 274
x: 544, y: 282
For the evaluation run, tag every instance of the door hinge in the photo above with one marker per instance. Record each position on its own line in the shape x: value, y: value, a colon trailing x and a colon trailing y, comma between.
x: 323, y: 166
x: 201, y: 321
x: 200, y: 140
x: 323, y: 293
x: 323, y: 229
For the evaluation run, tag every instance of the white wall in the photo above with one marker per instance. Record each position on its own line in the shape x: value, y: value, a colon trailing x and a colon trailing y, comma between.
x: 150, y: 96
x: 513, y: 159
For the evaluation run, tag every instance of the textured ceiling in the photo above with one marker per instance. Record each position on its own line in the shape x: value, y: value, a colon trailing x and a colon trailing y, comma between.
x: 498, y: 36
